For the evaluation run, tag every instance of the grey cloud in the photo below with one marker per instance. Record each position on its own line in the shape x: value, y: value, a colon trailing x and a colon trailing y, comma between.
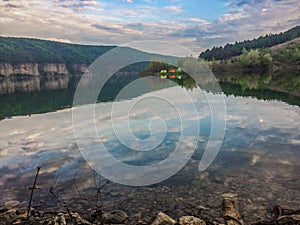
x: 116, y: 29
x: 76, y: 4
x: 11, y: 4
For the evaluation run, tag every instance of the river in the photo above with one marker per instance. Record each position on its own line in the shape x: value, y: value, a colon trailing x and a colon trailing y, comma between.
x: 258, y: 159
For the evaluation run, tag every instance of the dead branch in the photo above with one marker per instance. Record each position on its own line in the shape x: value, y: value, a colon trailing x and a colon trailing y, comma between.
x: 32, y: 190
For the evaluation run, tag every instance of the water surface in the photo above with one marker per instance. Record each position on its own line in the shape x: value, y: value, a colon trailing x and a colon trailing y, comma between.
x: 258, y: 160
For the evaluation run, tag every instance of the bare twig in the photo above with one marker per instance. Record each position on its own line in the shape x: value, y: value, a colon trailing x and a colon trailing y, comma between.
x: 99, y: 187
x: 76, y: 187
x: 52, y: 186
x: 31, y: 195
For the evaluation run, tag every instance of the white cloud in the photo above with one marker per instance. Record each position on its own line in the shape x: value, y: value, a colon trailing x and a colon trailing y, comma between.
x: 197, y: 20
x: 77, y: 5
x: 93, y: 22
x: 174, y: 9
x: 233, y: 16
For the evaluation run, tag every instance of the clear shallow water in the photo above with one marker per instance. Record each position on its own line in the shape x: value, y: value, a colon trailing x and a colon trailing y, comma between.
x: 258, y: 160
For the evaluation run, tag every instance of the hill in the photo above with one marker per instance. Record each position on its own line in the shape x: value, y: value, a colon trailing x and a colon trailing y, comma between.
x: 20, y: 50
x: 231, y: 50
x: 27, y: 56
x: 285, y: 44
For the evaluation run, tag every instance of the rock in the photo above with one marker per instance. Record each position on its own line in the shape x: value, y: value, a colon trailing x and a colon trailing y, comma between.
x: 201, y: 207
x: 231, y: 214
x: 96, y: 215
x: 229, y: 195
x: 114, y: 217
x: 3, y: 210
x: 8, y: 217
x: 35, y: 69
x: 60, y: 219
x: 191, y: 220
x: 78, y: 220
x: 289, y: 219
x: 53, y: 68
x: 163, y: 219
x: 6, y: 69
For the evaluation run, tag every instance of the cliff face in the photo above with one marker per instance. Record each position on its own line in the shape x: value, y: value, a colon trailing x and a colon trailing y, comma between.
x: 53, y: 68
x: 35, y: 69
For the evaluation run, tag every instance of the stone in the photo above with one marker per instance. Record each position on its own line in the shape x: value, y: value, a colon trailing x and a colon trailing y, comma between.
x: 115, y: 217
x: 163, y: 219
x: 8, y: 217
x: 289, y: 219
x: 231, y: 214
x: 191, y: 220
x: 77, y: 219
x: 201, y: 207
x: 53, y: 68
x: 60, y: 219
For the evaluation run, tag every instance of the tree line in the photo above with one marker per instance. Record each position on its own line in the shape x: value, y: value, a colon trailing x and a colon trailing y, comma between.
x: 231, y: 50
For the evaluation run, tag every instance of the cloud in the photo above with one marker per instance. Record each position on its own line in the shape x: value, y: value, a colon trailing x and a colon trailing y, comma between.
x: 174, y: 9
x: 59, y: 40
x: 117, y: 28
x: 12, y: 4
x: 128, y: 12
x: 106, y: 22
x: 197, y: 20
x: 77, y: 5
x: 233, y: 16
x: 128, y: 1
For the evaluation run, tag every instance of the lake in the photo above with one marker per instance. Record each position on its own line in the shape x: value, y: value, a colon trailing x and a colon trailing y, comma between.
x: 258, y: 159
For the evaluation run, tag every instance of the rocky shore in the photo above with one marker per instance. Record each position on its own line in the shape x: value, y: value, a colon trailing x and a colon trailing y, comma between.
x: 66, y: 216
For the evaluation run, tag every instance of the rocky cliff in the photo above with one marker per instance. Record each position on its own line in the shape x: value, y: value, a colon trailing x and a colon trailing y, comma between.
x: 35, y: 69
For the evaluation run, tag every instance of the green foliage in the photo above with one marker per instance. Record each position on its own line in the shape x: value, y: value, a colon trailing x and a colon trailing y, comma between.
x: 255, y: 57
x: 269, y: 40
x: 19, y: 50
x: 289, y: 54
x: 155, y: 66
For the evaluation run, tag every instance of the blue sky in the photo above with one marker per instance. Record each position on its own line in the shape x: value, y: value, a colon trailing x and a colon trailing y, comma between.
x: 194, y: 24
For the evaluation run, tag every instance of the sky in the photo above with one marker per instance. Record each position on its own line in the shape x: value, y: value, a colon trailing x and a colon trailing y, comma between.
x: 193, y: 24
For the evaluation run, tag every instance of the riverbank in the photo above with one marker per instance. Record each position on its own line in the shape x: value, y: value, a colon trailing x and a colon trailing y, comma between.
x: 66, y: 216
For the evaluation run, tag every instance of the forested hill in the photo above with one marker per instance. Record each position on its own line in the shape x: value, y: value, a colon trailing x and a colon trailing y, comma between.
x: 269, y: 40
x: 19, y: 50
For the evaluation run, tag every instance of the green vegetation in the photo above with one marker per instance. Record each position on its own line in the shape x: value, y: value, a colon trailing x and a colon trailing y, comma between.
x: 20, y: 50
x: 267, y: 59
x: 157, y: 67
x: 27, y: 50
x: 288, y: 54
x: 231, y: 50
x: 255, y: 58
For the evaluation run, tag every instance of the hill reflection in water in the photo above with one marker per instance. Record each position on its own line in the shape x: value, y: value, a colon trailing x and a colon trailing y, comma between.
x: 259, y: 161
